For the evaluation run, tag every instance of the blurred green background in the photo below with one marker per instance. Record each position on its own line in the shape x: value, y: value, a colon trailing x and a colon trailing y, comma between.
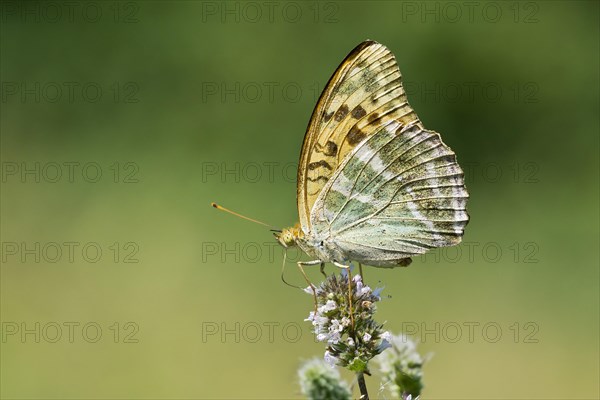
x: 183, y: 103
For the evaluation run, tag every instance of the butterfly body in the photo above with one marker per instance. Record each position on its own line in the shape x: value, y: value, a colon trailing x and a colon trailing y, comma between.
x: 374, y: 186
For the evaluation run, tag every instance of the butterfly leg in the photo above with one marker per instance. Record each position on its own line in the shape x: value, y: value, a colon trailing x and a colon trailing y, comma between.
x: 323, y: 269
x: 314, y: 289
x: 347, y: 268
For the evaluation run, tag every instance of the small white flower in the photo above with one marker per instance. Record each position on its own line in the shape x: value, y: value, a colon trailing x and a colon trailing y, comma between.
x: 309, y: 290
x: 377, y: 292
x: 384, y: 345
x: 321, y: 337
x: 311, y: 316
x: 350, y: 342
x: 320, y: 320
x: 345, y: 321
x: 336, y: 326
x: 330, y: 305
x: 386, y: 341
x: 364, y: 290
x: 359, y: 285
x: 330, y: 359
x: 366, y: 337
x: 334, y: 337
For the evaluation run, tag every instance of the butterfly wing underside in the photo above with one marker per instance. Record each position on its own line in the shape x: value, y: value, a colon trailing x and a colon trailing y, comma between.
x: 399, y: 194
x: 364, y: 94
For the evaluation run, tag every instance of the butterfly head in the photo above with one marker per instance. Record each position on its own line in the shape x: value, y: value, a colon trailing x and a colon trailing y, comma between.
x: 288, y: 237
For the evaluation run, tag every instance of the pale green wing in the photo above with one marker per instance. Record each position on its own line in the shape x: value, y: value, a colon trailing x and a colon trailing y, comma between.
x: 398, y: 194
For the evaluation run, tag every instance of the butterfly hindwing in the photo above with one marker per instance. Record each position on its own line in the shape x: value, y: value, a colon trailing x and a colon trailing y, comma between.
x: 363, y: 95
x: 400, y: 193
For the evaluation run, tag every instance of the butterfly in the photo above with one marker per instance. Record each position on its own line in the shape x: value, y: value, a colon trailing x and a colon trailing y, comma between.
x: 374, y: 186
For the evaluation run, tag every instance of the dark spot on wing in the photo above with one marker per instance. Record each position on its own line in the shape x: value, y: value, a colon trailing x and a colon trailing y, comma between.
x: 355, y: 136
x: 318, y: 178
x: 341, y: 113
x: 320, y: 163
x: 330, y: 148
x: 358, y: 112
x: 327, y: 116
x: 372, y: 117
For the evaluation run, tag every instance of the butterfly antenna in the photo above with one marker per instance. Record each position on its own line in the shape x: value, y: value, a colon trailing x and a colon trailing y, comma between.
x: 282, y: 271
x: 218, y: 207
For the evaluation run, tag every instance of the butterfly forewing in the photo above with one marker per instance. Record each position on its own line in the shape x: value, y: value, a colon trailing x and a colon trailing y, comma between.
x: 362, y: 96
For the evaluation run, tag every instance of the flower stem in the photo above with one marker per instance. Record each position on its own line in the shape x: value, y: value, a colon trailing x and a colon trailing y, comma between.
x: 364, y: 395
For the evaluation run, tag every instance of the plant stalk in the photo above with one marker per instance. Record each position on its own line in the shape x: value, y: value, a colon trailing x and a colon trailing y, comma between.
x: 360, y: 377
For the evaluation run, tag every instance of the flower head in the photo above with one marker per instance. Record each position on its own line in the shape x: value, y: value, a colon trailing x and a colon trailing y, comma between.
x: 401, y: 366
x: 319, y: 381
x: 352, y: 338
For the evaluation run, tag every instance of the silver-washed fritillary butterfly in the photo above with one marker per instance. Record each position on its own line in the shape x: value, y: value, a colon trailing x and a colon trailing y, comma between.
x: 374, y: 186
